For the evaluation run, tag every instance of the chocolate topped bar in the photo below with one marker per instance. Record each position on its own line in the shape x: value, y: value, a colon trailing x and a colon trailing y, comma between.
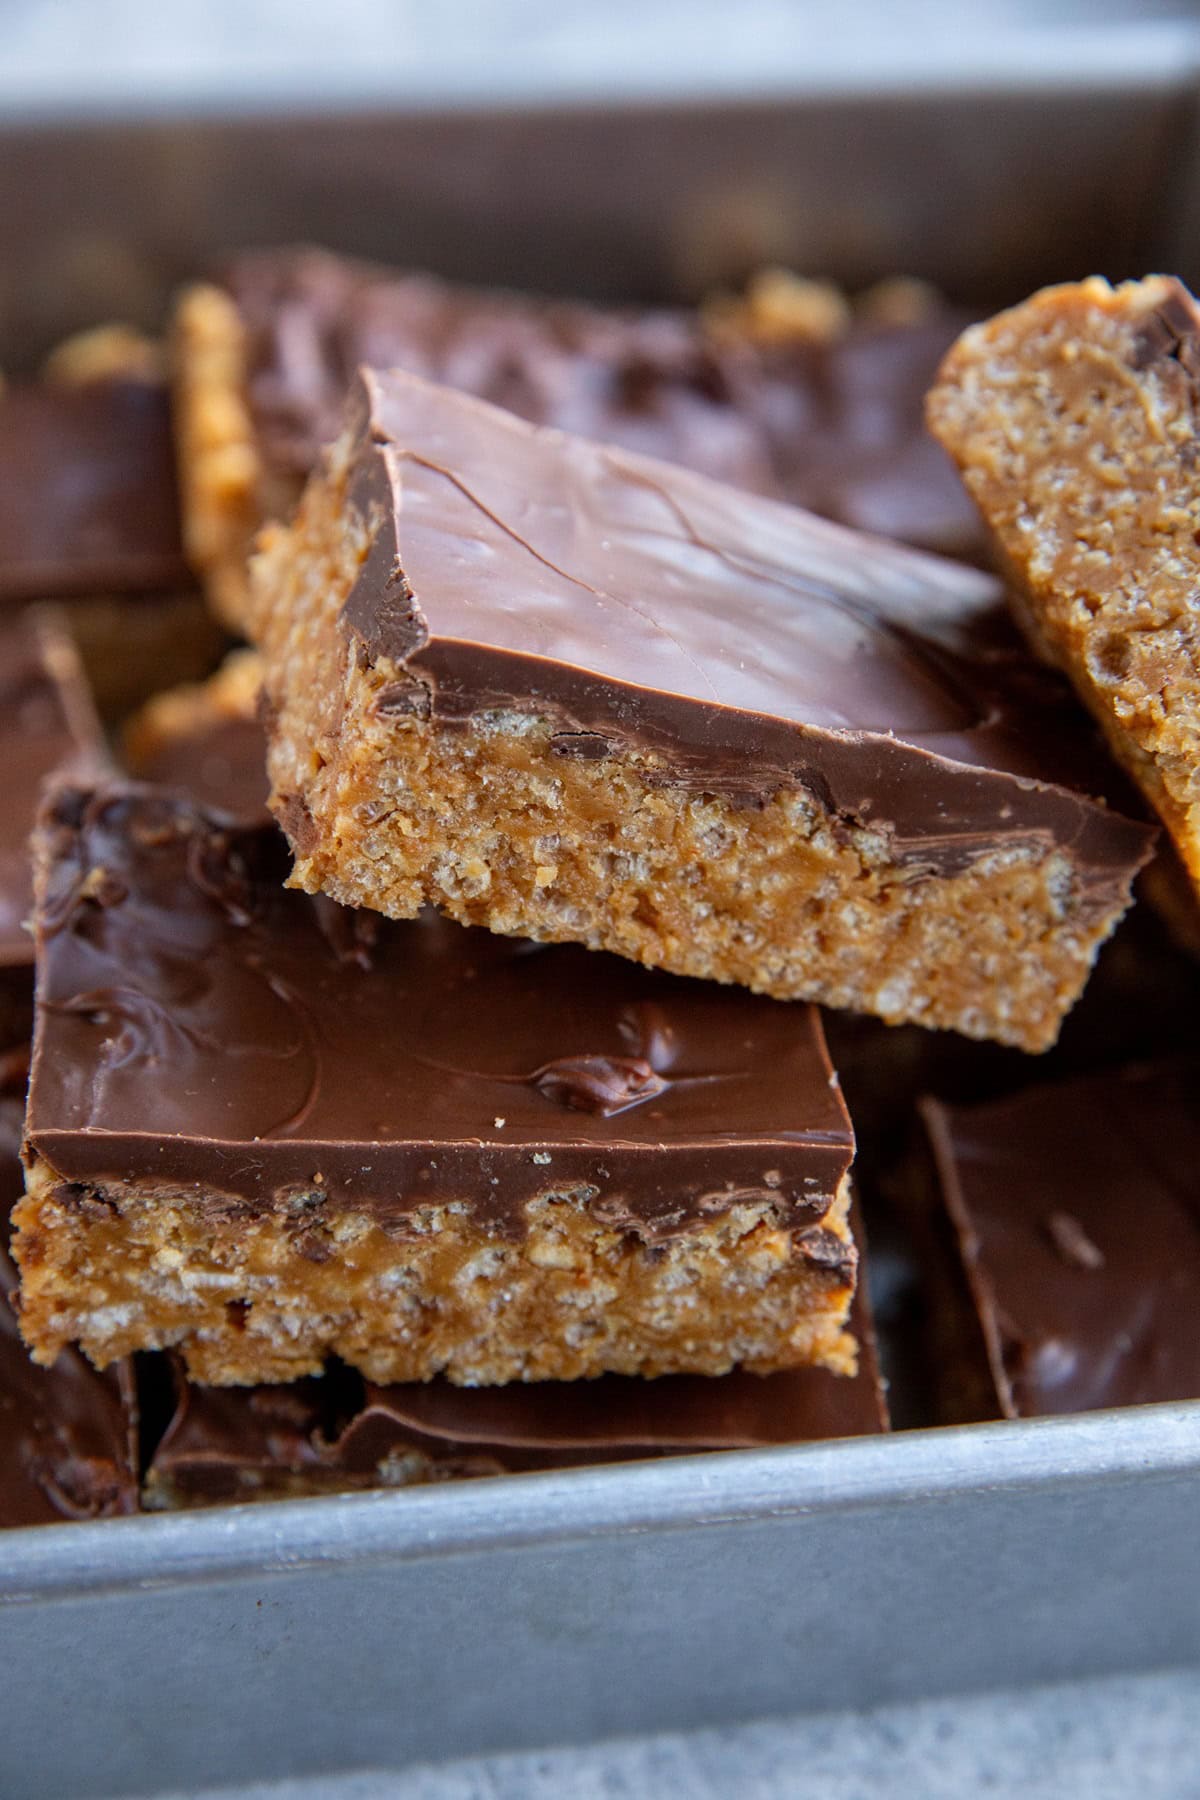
x: 652, y: 381
x: 229, y: 1444
x: 1076, y: 1209
x: 252, y: 1114
x: 67, y: 1435
x: 46, y: 723
x: 831, y: 420
x: 89, y: 518
x: 523, y: 651
x: 87, y: 491
x: 746, y: 643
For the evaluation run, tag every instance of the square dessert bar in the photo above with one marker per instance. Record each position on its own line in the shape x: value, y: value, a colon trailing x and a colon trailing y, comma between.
x: 1073, y: 419
x: 570, y: 693
x: 265, y: 1129
x: 1074, y: 1207
x: 775, y: 394
x: 337, y: 1434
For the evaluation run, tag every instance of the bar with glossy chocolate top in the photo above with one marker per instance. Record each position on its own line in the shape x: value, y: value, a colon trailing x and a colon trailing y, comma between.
x: 310, y: 1437
x: 273, y: 1128
x: 569, y: 692
x: 1076, y: 1212
x: 68, y: 1436
x: 832, y: 421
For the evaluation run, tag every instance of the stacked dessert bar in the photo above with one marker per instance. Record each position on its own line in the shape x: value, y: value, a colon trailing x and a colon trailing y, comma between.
x: 428, y: 1075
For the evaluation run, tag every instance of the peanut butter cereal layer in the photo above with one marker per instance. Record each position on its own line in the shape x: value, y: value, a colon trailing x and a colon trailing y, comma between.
x: 1073, y: 419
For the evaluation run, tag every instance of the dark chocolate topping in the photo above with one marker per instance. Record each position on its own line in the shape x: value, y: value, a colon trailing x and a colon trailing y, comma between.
x: 836, y: 427
x: 87, y: 492
x: 1077, y: 1207
x: 221, y: 765
x: 67, y: 1447
x: 393, y: 1067
x: 46, y: 724
x: 224, y: 1445
x: 847, y: 429
x: 747, y: 645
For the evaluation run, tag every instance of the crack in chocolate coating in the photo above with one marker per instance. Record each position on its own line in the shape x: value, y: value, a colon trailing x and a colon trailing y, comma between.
x: 1077, y: 1209
x: 67, y: 1435
x: 210, y: 1030
x: 748, y: 646
x: 87, y: 492
x: 45, y: 725
x: 837, y: 427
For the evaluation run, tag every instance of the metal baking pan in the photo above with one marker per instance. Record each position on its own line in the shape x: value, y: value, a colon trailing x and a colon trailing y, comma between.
x: 303, y: 1636
x: 368, y: 1630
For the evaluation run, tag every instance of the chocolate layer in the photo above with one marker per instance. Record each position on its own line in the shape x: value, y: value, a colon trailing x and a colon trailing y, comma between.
x: 68, y: 1446
x: 749, y: 646
x: 320, y: 1056
x: 652, y: 381
x: 836, y: 426
x: 228, y: 1444
x: 220, y: 763
x: 1077, y: 1209
x: 224, y: 1445
x: 46, y: 723
x: 846, y: 424
x: 87, y: 492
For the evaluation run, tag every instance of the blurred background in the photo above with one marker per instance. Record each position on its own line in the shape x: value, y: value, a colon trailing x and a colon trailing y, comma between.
x: 632, y: 148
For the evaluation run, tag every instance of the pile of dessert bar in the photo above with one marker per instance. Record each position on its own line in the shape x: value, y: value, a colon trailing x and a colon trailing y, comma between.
x: 482, y: 755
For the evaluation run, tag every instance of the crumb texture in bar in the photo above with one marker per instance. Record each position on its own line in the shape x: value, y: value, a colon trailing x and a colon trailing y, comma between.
x: 569, y: 693
x: 338, y: 1434
x: 1073, y: 418
x: 266, y: 1129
